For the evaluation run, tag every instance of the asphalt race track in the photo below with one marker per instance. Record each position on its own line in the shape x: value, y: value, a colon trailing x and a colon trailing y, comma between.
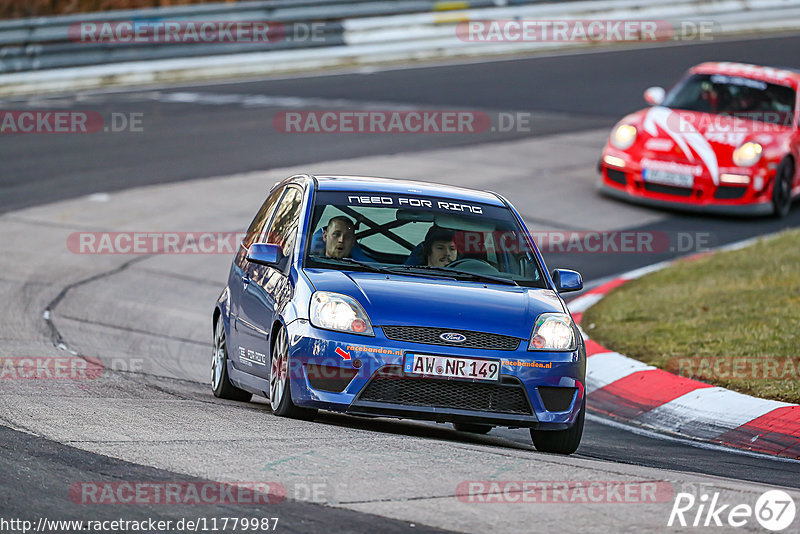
x: 202, y: 162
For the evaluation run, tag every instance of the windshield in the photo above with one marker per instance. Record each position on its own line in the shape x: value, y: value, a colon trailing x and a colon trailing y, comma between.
x: 734, y: 95
x: 420, y: 236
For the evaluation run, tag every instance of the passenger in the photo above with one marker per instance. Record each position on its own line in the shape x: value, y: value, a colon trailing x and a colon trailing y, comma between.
x: 439, y: 248
x: 339, y: 237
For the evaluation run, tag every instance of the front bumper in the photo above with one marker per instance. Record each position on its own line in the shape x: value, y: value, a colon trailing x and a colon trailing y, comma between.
x: 366, y: 387
x: 627, y: 184
x: 753, y: 210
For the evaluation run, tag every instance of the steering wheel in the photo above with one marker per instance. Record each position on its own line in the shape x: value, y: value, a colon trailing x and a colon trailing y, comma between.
x: 473, y: 265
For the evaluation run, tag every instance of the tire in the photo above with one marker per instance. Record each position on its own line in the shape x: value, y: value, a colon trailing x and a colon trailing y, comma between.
x: 472, y: 428
x: 782, y: 189
x: 280, y: 392
x: 560, y: 441
x: 220, y: 383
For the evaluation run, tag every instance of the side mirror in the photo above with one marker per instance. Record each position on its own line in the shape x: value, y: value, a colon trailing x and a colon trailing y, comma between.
x: 567, y: 280
x: 654, y: 95
x: 263, y: 254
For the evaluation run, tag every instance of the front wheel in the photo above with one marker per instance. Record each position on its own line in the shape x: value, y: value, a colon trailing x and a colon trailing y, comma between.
x: 782, y: 189
x: 220, y: 382
x: 560, y: 441
x: 280, y: 393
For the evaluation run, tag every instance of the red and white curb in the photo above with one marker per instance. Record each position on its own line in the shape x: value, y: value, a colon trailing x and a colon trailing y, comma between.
x: 629, y: 390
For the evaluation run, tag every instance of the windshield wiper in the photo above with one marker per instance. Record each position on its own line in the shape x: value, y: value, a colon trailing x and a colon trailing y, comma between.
x: 364, y: 264
x: 460, y: 274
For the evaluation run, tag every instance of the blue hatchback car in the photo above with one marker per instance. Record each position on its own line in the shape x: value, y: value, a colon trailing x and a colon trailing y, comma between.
x: 393, y: 298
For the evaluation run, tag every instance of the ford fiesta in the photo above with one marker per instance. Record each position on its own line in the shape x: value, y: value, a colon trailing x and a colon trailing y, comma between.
x: 403, y: 299
x: 725, y: 139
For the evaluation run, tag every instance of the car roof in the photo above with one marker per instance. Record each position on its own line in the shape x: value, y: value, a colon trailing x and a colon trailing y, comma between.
x: 768, y: 73
x: 374, y: 184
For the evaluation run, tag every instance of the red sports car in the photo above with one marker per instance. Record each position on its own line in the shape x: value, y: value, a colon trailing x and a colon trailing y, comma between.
x: 725, y: 139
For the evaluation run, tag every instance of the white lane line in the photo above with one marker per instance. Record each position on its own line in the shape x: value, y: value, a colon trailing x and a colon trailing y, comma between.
x: 584, y: 302
x: 607, y: 367
x: 639, y: 431
x: 708, y: 412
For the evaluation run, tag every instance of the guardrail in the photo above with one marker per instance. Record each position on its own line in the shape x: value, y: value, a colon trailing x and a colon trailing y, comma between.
x: 350, y: 33
x: 47, y: 42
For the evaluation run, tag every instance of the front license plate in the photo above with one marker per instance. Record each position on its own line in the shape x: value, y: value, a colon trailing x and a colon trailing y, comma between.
x: 447, y: 366
x: 668, y: 178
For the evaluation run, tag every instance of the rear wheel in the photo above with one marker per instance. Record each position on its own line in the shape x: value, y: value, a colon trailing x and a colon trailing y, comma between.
x: 560, y: 441
x: 220, y: 383
x: 280, y: 396
x: 782, y: 189
x: 472, y: 428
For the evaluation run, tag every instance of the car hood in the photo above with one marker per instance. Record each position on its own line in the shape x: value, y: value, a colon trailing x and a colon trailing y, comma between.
x: 701, y: 143
x: 437, y: 302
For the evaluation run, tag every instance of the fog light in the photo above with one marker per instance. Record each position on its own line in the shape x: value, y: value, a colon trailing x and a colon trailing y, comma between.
x: 739, y: 179
x: 613, y: 161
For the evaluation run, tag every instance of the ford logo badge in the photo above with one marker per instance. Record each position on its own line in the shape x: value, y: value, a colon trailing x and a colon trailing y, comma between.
x: 452, y: 337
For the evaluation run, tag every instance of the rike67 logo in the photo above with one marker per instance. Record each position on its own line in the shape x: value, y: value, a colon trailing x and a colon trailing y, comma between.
x: 774, y: 510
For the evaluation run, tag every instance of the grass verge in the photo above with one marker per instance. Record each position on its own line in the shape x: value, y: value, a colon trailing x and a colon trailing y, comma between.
x: 730, y: 319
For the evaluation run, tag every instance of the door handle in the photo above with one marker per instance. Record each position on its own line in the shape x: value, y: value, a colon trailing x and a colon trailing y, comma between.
x: 245, y: 280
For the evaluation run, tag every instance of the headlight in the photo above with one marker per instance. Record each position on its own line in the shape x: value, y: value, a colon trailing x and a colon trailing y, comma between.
x: 334, y: 311
x: 553, y: 331
x: 747, y: 155
x: 624, y: 136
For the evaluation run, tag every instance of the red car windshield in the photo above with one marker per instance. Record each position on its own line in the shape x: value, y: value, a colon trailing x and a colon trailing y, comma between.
x: 734, y: 95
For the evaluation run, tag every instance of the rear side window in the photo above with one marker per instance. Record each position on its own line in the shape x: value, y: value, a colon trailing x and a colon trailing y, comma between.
x: 283, y: 230
x: 261, y: 218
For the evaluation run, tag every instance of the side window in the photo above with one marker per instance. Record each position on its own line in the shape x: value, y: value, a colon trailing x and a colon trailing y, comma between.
x: 283, y: 230
x: 261, y: 218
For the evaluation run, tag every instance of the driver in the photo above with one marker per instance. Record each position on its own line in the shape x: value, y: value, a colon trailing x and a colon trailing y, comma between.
x: 339, y: 237
x: 439, y: 248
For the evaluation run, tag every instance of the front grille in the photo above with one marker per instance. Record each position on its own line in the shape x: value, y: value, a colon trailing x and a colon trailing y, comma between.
x: 726, y: 192
x: 616, y: 176
x: 430, y: 336
x: 668, y: 189
x: 556, y: 399
x: 391, y: 387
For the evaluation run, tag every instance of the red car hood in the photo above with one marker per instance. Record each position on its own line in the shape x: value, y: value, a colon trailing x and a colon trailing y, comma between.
x: 698, y: 143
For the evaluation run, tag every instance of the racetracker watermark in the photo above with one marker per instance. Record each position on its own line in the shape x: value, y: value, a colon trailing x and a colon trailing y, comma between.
x: 177, y: 493
x: 50, y: 368
x: 579, y: 242
x: 564, y: 492
x: 774, y: 510
x: 736, y: 367
x: 401, y: 122
x: 467, y: 242
x: 68, y: 122
x: 716, y: 124
x: 154, y: 242
x: 582, y: 30
x: 196, y: 32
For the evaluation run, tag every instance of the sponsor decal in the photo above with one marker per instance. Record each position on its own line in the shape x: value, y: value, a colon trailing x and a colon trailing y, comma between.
x: 252, y: 357
x: 520, y: 363
x: 374, y: 350
x: 366, y: 200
